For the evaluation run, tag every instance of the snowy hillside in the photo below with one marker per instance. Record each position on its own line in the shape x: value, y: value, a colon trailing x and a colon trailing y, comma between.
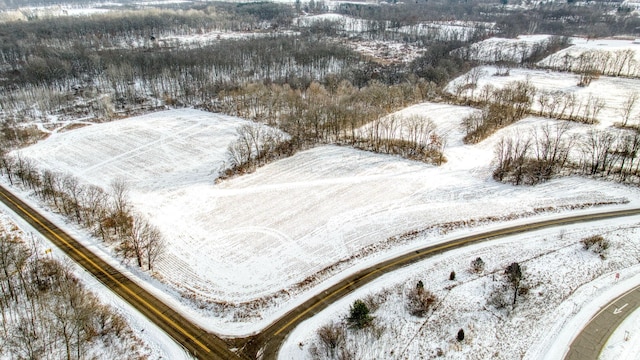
x: 501, y: 49
x: 611, y: 92
x: 609, y: 56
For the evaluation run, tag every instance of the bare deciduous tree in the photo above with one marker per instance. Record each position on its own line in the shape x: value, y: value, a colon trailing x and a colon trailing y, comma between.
x: 628, y: 106
x: 143, y: 242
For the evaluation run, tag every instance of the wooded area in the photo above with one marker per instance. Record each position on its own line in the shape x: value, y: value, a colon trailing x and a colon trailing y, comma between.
x: 48, y: 314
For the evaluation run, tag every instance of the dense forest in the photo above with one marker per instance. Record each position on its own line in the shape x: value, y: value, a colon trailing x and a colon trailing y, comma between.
x: 260, y: 61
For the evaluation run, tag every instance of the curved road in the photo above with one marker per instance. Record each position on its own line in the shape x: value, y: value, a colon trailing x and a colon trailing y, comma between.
x: 266, y: 344
x: 594, y: 336
x: 197, y: 341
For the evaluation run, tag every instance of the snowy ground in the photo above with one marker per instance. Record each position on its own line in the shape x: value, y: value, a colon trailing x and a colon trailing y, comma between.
x: 449, y: 30
x: 563, y: 279
x: 166, y: 149
x: 313, y: 211
x: 441, y: 115
x: 23, y: 14
x: 308, y: 218
x: 612, y: 91
x: 343, y: 22
x: 386, y: 51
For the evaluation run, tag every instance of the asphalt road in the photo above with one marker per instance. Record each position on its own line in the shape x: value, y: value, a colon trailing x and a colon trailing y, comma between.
x: 198, y: 342
x: 590, y: 342
x: 266, y: 344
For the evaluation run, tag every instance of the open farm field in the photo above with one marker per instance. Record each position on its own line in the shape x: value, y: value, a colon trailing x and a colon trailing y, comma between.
x: 152, y: 152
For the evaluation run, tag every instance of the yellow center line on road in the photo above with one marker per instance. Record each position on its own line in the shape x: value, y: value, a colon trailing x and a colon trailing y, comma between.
x: 136, y: 296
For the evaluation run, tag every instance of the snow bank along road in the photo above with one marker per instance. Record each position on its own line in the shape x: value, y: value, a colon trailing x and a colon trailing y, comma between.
x: 589, y: 343
x: 200, y: 343
x: 208, y: 346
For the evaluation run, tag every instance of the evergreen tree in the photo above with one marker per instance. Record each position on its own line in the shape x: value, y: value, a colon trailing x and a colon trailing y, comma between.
x: 359, y: 315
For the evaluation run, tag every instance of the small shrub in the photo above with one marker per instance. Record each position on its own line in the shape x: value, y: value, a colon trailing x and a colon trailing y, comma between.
x: 477, y: 265
x: 499, y: 297
x: 332, y: 337
x: 359, y: 315
x: 373, y: 301
x: 597, y: 244
x: 419, y: 301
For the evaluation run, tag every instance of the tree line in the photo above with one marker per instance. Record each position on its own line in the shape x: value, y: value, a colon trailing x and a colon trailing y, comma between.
x: 553, y: 150
x: 106, y: 214
x: 48, y: 314
x: 501, y: 107
x: 504, y: 106
x: 620, y: 62
x: 594, y: 19
x: 114, y: 81
x: 323, y: 114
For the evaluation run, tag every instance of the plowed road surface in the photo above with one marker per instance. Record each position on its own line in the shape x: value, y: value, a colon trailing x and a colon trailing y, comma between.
x: 592, y: 339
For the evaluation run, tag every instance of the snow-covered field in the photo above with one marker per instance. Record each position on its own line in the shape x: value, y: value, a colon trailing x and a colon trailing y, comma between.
x: 152, y: 152
x: 23, y: 14
x: 342, y: 22
x: 440, y: 115
x: 318, y: 208
x: 611, y: 91
x: 440, y: 30
x: 386, y: 51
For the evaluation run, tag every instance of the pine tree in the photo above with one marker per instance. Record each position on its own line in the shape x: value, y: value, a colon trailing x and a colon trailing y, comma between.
x: 359, y: 316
